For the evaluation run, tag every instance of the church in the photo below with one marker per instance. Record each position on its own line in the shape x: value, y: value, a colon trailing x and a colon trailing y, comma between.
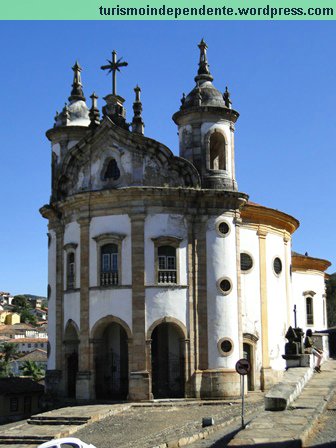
x: 162, y: 274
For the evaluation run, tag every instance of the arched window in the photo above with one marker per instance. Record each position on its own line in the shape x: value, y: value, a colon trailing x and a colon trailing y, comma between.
x: 109, y: 265
x: 309, y: 310
x: 217, y: 152
x: 112, y: 171
x: 71, y: 270
x: 167, y: 264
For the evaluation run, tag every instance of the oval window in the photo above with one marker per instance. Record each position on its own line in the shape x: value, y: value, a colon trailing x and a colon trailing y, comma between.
x: 246, y: 262
x: 277, y: 265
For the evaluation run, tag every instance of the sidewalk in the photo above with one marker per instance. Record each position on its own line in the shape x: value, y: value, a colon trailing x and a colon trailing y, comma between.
x: 292, y: 426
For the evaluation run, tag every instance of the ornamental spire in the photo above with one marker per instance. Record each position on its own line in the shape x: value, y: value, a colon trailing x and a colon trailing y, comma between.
x: 203, y: 70
x: 77, y: 87
x: 137, y: 122
x: 94, y: 112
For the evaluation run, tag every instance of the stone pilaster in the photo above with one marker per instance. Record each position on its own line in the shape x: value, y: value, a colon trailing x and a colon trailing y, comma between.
x: 201, y: 291
x: 191, y: 351
x: 238, y: 222
x: 59, y: 295
x: 139, y: 381
x: 265, y: 365
x: 84, y: 375
x: 287, y: 274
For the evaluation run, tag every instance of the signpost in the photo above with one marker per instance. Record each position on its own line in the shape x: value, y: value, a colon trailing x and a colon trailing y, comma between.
x: 242, y: 367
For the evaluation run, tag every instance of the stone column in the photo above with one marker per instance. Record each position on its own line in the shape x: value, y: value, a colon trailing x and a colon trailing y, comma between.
x: 139, y: 381
x: 84, y: 387
x: 265, y: 366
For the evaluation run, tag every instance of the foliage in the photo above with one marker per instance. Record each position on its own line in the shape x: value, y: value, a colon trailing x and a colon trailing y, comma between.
x: 27, y: 317
x: 5, y: 370
x: 31, y: 368
x: 331, y: 300
x: 9, y: 351
x: 21, y: 302
x: 23, y: 306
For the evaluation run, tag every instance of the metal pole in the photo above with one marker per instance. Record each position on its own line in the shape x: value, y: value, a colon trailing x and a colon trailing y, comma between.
x: 243, y: 381
x: 295, y: 324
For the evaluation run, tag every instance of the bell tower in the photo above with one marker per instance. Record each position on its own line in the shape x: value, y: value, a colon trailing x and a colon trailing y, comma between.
x: 206, y: 129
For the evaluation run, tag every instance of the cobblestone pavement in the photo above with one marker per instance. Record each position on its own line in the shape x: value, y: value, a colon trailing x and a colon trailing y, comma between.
x: 325, y: 429
x: 149, y: 426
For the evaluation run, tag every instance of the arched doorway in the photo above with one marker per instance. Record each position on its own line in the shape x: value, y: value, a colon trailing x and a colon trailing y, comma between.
x: 167, y: 361
x: 111, y: 362
x: 71, y: 341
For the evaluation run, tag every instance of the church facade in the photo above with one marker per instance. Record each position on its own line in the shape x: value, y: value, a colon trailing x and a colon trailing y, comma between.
x: 162, y: 274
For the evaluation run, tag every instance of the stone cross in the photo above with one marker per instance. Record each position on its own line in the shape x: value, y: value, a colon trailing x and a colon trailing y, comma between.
x: 113, y: 67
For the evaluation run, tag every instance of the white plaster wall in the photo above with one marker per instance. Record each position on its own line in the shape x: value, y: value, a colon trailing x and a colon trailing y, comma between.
x: 276, y: 300
x: 52, y: 300
x: 120, y: 224
x: 222, y: 309
x: 303, y: 281
x: 224, y: 126
x: 165, y: 225
x: 250, y: 290
x: 111, y: 302
x: 72, y: 235
x: 71, y: 307
x: 166, y: 302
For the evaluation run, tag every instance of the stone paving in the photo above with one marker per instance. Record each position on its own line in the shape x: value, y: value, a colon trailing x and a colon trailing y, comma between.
x: 169, y: 424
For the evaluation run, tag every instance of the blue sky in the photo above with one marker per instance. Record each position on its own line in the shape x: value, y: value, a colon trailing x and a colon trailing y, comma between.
x: 282, y: 79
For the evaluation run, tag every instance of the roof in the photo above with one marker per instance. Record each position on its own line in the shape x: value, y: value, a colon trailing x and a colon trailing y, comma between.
x: 259, y: 214
x: 24, y: 340
x: 17, y: 386
x: 303, y: 262
x: 37, y: 355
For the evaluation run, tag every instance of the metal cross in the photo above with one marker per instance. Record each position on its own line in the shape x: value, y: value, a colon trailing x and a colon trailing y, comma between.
x: 113, y: 66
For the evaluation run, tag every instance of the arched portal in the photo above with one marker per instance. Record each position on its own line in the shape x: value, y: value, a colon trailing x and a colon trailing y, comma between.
x: 71, y: 342
x: 167, y: 361
x: 248, y: 352
x: 111, y: 362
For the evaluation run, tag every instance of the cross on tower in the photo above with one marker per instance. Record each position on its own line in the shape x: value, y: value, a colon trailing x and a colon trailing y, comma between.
x: 113, y: 66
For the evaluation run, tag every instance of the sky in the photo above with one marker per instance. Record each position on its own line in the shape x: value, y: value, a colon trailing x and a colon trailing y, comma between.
x: 282, y: 79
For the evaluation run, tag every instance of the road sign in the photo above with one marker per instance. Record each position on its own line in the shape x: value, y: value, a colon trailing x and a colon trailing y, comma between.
x: 243, y: 366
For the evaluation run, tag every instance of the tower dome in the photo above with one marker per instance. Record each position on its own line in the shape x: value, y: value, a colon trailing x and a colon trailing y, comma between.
x: 206, y: 126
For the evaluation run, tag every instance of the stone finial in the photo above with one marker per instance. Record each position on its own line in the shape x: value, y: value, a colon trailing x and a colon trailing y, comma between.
x: 64, y: 115
x: 203, y: 66
x: 94, y: 111
x: 226, y: 97
x: 137, y: 122
x: 77, y: 87
x: 183, y: 99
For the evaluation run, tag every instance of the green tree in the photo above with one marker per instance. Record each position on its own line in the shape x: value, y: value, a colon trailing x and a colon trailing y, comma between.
x: 27, y: 317
x: 21, y: 302
x: 5, y: 370
x: 9, y: 351
x: 30, y: 368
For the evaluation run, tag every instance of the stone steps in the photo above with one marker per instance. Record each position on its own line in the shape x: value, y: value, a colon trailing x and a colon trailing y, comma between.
x: 59, y: 420
x: 24, y: 440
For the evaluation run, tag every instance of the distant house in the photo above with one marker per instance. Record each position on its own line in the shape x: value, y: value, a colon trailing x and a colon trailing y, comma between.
x: 9, y: 318
x: 19, y: 398
x: 22, y: 331
x: 26, y: 345
x: 38, y: 356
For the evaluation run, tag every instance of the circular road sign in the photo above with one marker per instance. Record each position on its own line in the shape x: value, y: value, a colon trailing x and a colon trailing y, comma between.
x: 243, y: 366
